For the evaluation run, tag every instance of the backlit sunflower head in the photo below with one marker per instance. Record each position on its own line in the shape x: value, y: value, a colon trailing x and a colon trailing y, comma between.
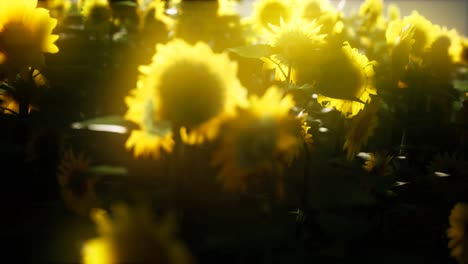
x: 361, y: 129
x: 458, y: 233
x: 76, y: 183
x: 193, y: 87
x: 25, y: 34
x: 132, y: 236
x: 268, y: 12
x: 261, y: 139
x: 455, y: 48
x: 189, y: 87
x: 424, y: 32
x: 371, y: 11
x: 346, y: 81
x: 295, y: 41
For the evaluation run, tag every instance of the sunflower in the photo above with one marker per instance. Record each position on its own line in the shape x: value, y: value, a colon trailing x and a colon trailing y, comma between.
x: 458, y: 234
x: 208, y: 91
x: 379, y: 163
x: 393, y: 12
x: 362, y: 127
x: 131, y: 236
x: 261, y: 139
x: 25, y: 34
x: 268, y: 12
x: 294, y: 41
x: 371, y: 12
x: 424, y: 32
x: 346, y: 81
x: 76, y: 184
x: 455, y: 49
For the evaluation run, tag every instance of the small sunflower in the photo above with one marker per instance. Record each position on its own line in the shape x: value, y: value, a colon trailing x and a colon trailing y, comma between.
x: 261, y: 139
x: 393, y: 12
x: 132, y: 236
x: 76, y: 184
x: 270, y: 12
x: 346, y: 81
x: 380, y: 164
x: 362, y: 127
x: 25, y: 34
x: 455, y: 49
x: 458, y: 233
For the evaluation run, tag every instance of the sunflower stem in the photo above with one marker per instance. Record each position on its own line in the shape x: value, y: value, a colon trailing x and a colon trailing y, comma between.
x: 279, y: 67
x: 175, y: 172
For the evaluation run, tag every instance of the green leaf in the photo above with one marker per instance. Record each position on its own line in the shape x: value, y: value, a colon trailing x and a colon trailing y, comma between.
x: 253, y: 51
x: 113, y: 123
x: 104, y: 170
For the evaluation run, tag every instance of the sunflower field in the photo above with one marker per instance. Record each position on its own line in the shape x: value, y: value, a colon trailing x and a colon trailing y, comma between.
x: 184, y: 132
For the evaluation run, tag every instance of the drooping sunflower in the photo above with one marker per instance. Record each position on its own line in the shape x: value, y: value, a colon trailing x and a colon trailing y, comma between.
x: 77, y: 185
x: 261, y: 139
x: 458, y: 233
x: 362, y: 127
x: 266, y: 12
x: 187, y: 86
x: 379, y: 163
x: 132, y: 236
x: 25, y: 34
x: 455, y: 49
x: 346, y: 81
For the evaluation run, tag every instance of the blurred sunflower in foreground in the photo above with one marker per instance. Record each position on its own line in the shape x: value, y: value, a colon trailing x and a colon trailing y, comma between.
x: 188, y: 87
x: 77, y: 184
x: 346, y: 81
x: 130, y: 235
x: 25, y: 34
x: 458, y: 233
x: 260, y: 140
